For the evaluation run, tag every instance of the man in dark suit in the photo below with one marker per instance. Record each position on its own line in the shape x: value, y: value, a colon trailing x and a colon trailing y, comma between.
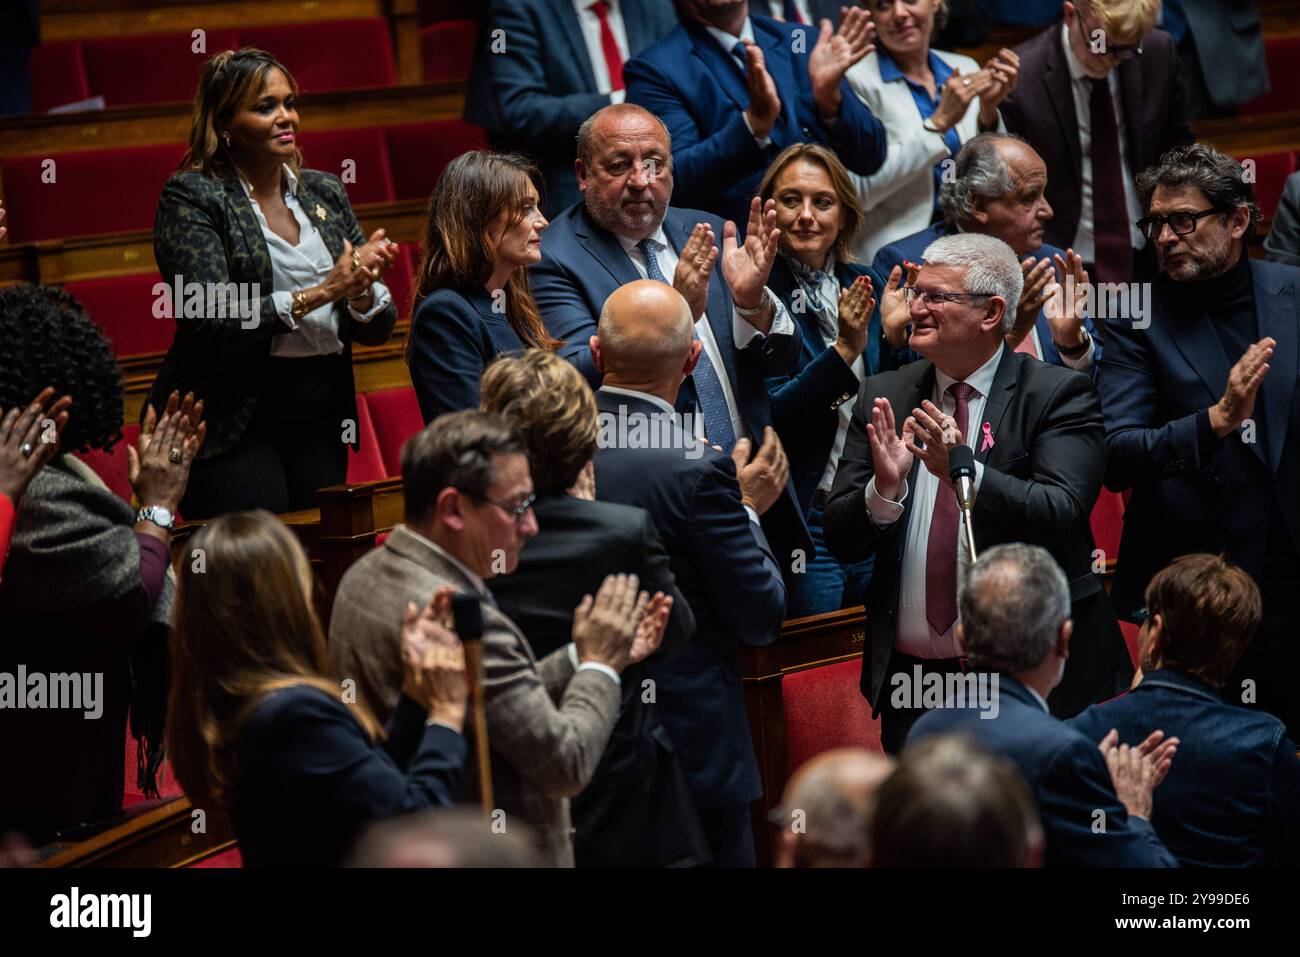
x: 997, y: 189
x: 1282, y: 244
x: 20, y: 31
x: 626, y: 174
x: 550, y: 66
x: 1202, y: 420
x: 1214, y: 33
x: 1037, y: 436
x: 734, y: 90
x: 706, y: 505
x: 1015, y: 631
x: 1099, y: 113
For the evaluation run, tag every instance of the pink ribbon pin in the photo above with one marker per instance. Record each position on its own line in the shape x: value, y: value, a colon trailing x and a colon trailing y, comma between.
x: 988, y: 438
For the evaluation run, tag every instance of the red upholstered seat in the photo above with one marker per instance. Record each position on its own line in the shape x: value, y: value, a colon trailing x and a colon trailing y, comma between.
x: 420, y: 151
x: 1130, y: 632
x: 230, y: 858
x: 380, y: 538
x: 824, y: 709
x: 112, y: 466
x: 1283, y: 57
x: 329, y: 54
x: 1108, y: 522
x: 396, y: 414
x: 400, y: 279
x: 447, y: 49
x: 173, y: 72
x: 57, y: 74
x: 95, y: 191
x: 123, y: 307
x: 357, y: 155
x: 365, y: 464
x: 1271, y: 171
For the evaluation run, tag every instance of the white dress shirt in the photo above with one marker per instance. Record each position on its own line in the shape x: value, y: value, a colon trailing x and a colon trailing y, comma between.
x: 590, y: 24
x: 742, y: 331
x: 1081, y: 87
x: 301, y: 267
x: 915, y: 636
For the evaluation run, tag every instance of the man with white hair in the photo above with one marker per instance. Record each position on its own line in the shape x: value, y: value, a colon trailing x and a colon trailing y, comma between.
x: 1036, y: 434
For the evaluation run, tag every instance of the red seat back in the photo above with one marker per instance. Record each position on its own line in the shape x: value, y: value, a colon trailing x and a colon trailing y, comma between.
x: 400, y: 279
x: 447, y: 50
x: 57, y: 74
x: 329, y: 54
x: 824, y: 709
x: 173, y: 66
x: 1283, y: 57
x: 1130, y: 632
x: 365, y: 464
x: 230, y: 858
x: 123, y: 307
x: 420, y: 152
x: 1108, y: 522
x: 359, y: 155
x: 112, y: 466
x: 396, y: 414
x: 1271, y: 172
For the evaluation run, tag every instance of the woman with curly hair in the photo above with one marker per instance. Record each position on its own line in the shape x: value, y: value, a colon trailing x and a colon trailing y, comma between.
x: 85, y: 596
x: 287, y: 283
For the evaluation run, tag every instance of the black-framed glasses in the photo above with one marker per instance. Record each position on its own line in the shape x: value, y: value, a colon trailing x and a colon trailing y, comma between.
x: 938, y: 298
x: 1180, y: 223
x: 518, y: 511
x: 1119, y: 52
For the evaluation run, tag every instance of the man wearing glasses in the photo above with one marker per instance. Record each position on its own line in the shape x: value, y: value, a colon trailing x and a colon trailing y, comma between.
x: 1202, y: 420
x: 1036, y: 433
x: 1101, y: 101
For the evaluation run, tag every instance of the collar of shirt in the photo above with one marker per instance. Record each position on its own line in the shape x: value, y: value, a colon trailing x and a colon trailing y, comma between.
x: 1077, y: 73
x: 645, y: 396
x: 728, y: 41
x: 981, y: 380
x: 889, y: 72
x: 455, y: 562
x: 289, y: 178
x: 1042, y: 702
x: 658, y: 237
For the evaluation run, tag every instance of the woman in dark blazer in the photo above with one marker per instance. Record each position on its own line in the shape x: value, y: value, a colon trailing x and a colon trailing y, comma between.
x: 270, y: 280
x: 473, y: 300
x: 256, y: 723
x: 834, y: 301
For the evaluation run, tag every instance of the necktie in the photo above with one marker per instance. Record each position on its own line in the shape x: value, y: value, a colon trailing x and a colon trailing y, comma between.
x: 608, y: 45
x: 708, y: 388
x: 1112, y: 246
x: 792, y: 12
x: 941, y: 549
x: 738, y: 51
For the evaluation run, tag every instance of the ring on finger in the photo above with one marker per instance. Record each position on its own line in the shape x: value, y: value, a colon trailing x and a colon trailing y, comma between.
x: 27, y: 449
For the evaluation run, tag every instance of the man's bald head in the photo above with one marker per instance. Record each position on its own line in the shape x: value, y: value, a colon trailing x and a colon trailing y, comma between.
x: 614, y: 120
x: 832, y: 796
x: 645, y: 335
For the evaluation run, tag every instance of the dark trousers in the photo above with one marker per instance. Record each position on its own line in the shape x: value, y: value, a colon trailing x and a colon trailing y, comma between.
x: 729, y: 834
x: 292, y: 447
x: 895, y: 721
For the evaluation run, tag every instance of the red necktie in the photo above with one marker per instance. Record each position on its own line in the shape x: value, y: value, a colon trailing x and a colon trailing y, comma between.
x: 608, y: 45
x: 941, y: 549
x: 1112, y: 242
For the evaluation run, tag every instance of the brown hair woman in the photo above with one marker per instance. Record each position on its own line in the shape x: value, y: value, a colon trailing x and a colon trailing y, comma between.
x: 473, y: 301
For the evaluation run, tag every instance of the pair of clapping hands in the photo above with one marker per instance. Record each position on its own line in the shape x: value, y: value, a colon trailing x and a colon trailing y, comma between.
x: 360, y: 267
x: 1137, y: 771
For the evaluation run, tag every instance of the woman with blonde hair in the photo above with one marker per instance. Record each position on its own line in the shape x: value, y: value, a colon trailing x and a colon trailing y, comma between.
x: 473, y: 300
x: 289, y: 282
x: 257, y: 724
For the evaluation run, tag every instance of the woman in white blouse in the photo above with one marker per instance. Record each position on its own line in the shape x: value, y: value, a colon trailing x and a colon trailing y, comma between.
x: 269, y: 279
x: 923, y: 98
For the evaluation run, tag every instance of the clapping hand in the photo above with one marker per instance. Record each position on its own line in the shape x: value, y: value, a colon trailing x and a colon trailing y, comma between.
x: 433, y: 660
x: 746, y: 266
x: 28, y: 439
x: 1038, y: 278
x: 938, y: 434
x: 1136, y: 772
x: 956, y: 96
x: 856, y: 303
x: 650, y: 635
x: 694, y: 267
x: 895, y: 313
x: 763, y: 479
x: 1066, y: 305
x: 1003, y: 69
x: 377, y: 255
x: 158, y: 467
x: 605, y: 627
x: 764, y: 101
x: 891, y: 459
x: 834, y: 53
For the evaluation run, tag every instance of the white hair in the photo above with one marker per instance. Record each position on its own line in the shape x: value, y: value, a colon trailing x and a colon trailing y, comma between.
x: 991, y: 267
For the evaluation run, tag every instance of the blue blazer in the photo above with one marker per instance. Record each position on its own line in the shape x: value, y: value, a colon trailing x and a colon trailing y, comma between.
x: 1065, y: 772
x: 533, y: 94
x: 582, y: 264
x: 310, y: 779
x: 724, y: 568
x: 454, y: 335
x: 698, y: 90
x: 1192, y: 491
x: 1249, y: 816
x: 805, y: 406
x: 911, y: 247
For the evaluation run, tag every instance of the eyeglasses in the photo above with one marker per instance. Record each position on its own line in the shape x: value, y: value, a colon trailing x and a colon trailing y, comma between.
x: 1180, y: 223
x: 939, y: 298
x: 1119, y: 52
x: 518, y: 511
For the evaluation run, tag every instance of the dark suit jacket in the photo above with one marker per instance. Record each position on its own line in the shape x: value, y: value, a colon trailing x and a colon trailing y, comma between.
x: 1228, y: 31
x: 1283, y: 242
x: 1193, y: 492
x: 637, y: 811
x: 698, y: 90
x: 533, y: 95
x: 454, y: 335
x: 582, y: 264
x: 1067, y: 775
x: 722, y: 565
x: 1041, y: 109
x: 1041, y: 479
x: 911, y: 247
x: 1207, y: 818
x: 205, y: 231
x: 310, y: 779
x: 805, y: 406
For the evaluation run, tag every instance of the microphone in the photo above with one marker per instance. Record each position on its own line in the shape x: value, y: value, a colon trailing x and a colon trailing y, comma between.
x: 467, y: 612
x: 961, y: 469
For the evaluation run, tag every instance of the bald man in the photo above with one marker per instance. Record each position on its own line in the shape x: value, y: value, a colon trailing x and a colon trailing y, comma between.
x: 706, y: 505
x: 827, y: 809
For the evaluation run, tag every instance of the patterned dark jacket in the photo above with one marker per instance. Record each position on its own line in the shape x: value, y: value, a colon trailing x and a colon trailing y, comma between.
x: 205, y: 231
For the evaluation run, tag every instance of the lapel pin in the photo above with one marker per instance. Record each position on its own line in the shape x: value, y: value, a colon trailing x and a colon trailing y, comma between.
x: 988, y: 438
x: 320, y: 212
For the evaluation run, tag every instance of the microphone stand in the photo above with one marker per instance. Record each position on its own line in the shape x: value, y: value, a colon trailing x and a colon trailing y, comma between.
x: 961, y: 470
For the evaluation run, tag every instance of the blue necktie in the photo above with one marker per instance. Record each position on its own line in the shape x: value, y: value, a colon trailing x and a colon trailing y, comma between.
x: 708, y: 388
x: 738, y: 51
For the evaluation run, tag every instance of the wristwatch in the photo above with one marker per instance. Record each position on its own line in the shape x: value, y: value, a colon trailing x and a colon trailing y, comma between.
x: 160, y: 516
x: 1076, y: 352
x: 763, y: 303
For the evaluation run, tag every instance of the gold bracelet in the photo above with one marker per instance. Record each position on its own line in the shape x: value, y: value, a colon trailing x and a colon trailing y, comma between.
x: 299, y: 307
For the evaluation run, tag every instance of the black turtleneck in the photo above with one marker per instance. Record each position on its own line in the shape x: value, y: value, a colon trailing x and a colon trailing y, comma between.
x: 1228, y: 300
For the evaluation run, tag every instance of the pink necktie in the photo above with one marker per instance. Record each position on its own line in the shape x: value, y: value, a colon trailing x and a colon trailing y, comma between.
x: 941, y: 549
